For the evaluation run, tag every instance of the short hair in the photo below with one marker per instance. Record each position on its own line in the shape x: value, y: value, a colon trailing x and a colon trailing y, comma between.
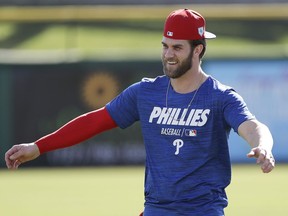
x: 194, y: 43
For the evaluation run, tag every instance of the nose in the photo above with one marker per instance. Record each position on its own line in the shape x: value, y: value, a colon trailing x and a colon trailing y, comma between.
x: 168, y: 53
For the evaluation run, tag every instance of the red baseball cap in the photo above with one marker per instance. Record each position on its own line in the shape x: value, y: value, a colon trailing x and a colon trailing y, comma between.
x: 185, y: 24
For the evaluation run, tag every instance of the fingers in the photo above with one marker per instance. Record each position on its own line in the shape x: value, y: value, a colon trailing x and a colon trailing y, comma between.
x: 268, y: 164
x: 257, y: 153
x: 19, y: 154
x: 251, y: 154
x: 16, y: 164
x: 264, y: 158
x: 12, y: 157
x: 10, y: 162
x: 261, y: 156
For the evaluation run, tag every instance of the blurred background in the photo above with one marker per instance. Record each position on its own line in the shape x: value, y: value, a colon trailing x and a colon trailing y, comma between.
x: 59, y: 59
x: 62, y: 58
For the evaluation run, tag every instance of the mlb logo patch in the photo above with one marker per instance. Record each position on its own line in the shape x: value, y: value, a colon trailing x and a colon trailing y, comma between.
x: 190, y: 132
x: 201, y: 31
x: 169, y: 33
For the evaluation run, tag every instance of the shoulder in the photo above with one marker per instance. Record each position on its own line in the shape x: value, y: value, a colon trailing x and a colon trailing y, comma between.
x: 145, y: 85
x: 218, y: 86
x: 153, y: 83
x: 155, y: 80
x: 222, y: 91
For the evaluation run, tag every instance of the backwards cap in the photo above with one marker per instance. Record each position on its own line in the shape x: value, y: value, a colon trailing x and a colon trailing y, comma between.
x: 185, y: 24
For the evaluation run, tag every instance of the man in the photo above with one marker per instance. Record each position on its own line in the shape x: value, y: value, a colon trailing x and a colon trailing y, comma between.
x: 186, y: 116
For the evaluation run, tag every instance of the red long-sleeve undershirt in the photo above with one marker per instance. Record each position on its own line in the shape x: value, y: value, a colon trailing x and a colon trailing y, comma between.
x: 77, y: 130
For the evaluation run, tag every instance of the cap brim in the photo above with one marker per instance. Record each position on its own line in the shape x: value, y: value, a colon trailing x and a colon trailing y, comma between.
x: 209, y: 35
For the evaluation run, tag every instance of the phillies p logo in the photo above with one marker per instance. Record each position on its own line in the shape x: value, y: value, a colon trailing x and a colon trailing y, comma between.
x: 178, y: 143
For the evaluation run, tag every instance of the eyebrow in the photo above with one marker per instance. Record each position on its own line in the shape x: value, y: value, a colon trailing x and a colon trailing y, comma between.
x: 175, y: 45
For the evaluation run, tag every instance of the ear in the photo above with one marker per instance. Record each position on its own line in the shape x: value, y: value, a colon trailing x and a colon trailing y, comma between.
x: 198, y: 49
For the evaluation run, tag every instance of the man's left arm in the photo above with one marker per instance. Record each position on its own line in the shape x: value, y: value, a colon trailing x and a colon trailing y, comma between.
x: 260, y: 139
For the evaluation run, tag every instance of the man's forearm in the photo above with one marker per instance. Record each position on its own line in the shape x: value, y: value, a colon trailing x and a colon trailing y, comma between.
x: 256, y: 134
x: 77, y: 130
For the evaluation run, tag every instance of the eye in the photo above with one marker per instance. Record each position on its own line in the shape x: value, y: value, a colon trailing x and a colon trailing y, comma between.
x: 177, y: 48
x: 164, y: 46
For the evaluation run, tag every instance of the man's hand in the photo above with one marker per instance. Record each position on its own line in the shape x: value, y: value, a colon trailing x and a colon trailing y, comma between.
x: 19, y: 154
x: 260, y: 139
x: 264, y: 158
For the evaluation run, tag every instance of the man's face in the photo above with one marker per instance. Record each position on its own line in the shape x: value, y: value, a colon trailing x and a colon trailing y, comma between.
x: 176, y: 57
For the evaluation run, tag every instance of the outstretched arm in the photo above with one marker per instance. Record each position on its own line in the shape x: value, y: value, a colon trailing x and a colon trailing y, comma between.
x: 74, y: 132
x: 260, y: 139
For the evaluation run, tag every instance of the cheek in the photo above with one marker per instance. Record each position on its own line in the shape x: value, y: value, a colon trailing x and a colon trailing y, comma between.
x: 163, y: 55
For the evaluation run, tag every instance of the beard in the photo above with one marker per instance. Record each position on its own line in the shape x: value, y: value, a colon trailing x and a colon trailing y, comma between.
x: 183, y: 67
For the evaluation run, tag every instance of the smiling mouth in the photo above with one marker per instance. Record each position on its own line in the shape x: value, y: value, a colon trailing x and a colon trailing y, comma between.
x: 171, y: 62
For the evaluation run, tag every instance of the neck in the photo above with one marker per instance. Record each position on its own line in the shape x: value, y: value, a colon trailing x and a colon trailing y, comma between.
x: 189, y: 82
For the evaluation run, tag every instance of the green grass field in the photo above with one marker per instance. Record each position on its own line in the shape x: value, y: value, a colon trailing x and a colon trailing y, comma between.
x: 119, y: 192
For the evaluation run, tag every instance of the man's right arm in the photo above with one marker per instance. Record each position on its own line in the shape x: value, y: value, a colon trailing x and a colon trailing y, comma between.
x: 74, y: 132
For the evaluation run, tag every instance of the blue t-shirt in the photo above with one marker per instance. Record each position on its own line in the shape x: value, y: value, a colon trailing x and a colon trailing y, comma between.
x: 187, y: 156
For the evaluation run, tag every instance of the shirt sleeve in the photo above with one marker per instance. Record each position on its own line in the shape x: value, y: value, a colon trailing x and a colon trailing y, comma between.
x: 77, y: 130
x: 124, y: 108
x: 235, y: 109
